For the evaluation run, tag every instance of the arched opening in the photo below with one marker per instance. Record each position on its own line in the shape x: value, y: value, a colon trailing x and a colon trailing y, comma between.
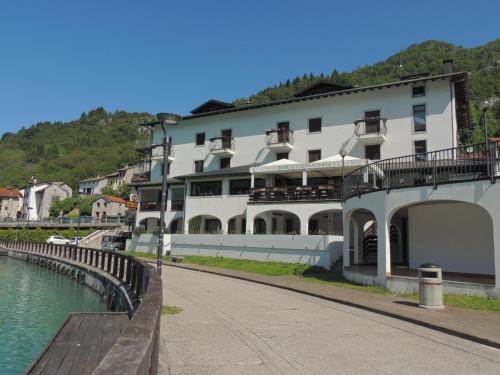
x: 175, y: 226
x: 363, y: 241
x: 237, y: 225
x: 457, y: 236
x: 277, y: 222
x: 205, y: 224
x: 327, y: 222
x: 148, y: 225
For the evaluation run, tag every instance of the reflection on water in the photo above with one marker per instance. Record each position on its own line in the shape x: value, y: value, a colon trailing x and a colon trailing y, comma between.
x: 34, y: 302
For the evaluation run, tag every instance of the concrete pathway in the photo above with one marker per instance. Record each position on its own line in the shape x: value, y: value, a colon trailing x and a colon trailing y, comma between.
x: 231, y: 326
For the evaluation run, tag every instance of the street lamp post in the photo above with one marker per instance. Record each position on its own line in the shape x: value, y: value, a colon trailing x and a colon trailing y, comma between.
x: 343, y: 154
x: 79, y: 203
x: 164, y: 119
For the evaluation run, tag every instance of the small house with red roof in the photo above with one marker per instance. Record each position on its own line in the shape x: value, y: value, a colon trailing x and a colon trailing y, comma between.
x: 109, y: 206
x: 9, y: 203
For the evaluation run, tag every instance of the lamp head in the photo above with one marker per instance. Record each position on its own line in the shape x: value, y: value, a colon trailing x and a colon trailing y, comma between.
x: 168, y: 118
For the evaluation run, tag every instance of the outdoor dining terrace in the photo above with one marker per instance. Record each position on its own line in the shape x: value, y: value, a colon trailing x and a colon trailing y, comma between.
x: 295, y: 193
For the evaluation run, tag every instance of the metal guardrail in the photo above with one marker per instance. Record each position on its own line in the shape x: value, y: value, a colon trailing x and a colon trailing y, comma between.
x: 221, y: 143
x: 464, y: 163
x: 136, y: 351
x: 280, y: 135
x: 370, y: 125
x: 118, y: 220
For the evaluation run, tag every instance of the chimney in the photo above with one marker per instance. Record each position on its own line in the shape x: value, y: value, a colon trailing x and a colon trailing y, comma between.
x: 447, y: 66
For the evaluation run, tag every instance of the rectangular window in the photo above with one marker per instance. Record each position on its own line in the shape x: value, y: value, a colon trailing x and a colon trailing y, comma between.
x: 313, y: 155
x: 418, y: 91
x: 281, y: 155
x: 314, y: 125
x: 420, y: 150
x: 419, y: 124
x: 206, y: 188
x: 372, y: 152
x: 200, y: 139
x: 225, y: 163
x: 198, y: 166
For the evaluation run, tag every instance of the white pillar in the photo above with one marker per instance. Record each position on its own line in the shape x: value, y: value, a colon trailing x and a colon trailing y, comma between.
x: 495, y: 217
x: 304, y: 226
x: 304, y: 178
x: 346, y: 218
x: 249, y: 228
x: 383, y: 250
x: 252, y: 180
x: 224, y: 226
x: 269, y: 223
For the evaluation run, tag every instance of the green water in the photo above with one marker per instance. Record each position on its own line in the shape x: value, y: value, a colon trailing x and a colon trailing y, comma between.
x: 34, y: 302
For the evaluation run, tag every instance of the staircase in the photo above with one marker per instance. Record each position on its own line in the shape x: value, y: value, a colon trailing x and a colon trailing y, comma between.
x: 370, y: 244
x: 349, y: 144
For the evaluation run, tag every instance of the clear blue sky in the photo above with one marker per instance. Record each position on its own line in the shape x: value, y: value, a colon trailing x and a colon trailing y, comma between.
x: 60, y: 58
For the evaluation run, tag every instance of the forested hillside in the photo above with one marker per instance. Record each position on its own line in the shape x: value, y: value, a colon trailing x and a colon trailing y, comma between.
x: 97, y: 143
x: 100, y: 142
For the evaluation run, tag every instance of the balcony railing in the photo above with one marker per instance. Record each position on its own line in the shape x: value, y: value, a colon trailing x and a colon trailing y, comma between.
x: 277, y: 136
x: 221, y: 143
x: 465, y: 163
x: 143, y: 144
x: 296, y: 193
x: 141, y: 177
x: 158, y: 151
x: 177, y: 206
x: 370, y: 126
x: 149, y: 206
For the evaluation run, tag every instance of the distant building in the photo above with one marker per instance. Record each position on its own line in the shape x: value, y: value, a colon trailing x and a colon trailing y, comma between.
x: 94, y: 186
x: 9, y: 203
x: 37, y: 198
x: 108, y: 206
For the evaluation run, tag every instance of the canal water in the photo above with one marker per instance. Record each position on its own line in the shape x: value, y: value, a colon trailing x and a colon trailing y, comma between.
x: 34, y: 302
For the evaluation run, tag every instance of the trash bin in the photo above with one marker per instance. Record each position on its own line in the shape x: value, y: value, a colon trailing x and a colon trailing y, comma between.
x: 430, y: 285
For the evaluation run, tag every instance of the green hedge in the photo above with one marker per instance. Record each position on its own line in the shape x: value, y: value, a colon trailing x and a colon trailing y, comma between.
x: 40, y: 235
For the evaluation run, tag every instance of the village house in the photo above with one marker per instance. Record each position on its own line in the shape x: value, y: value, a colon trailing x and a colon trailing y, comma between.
x: 9, y: 203
x: 108, y: 206
x: 38, y: 197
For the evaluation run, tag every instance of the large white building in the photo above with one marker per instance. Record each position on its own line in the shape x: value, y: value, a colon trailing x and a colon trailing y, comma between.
x: 265, y: 181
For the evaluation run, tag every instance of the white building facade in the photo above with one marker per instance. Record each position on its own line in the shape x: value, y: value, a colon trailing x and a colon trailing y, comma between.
x: 266, y: 181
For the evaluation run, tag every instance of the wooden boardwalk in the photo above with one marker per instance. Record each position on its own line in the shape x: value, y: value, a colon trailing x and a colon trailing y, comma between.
x: 81, y: 343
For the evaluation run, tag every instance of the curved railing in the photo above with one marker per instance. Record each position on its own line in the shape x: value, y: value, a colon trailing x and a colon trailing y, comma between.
x: 136, y: 351
x: 460, y: 164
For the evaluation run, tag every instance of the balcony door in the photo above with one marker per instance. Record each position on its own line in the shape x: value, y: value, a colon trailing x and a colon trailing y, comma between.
x: 226, y: 135
x: 283, y: 128
x: 372, y: 121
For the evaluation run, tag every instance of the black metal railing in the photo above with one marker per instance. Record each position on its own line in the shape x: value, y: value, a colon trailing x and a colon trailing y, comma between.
x: 221, y: 143
x: 295, y: 193
x: 370, y: 125
x: 177, y: 205
x: 149, y: 206
x: 280, y: 135
x: 465, y: 163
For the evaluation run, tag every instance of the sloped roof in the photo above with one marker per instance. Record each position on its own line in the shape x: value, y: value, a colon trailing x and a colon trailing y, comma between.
x: 110, y: 198
x: 322, y: 87
x: 10, y: 193
x: 211, y: 105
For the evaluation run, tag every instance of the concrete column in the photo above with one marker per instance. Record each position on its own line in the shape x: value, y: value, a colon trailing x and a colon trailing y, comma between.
x: 252, y: 180
x: 346, y: 218
x: 249, y: 228
x: 495, y: 218
x: 304, y: 226
x: 224, y: 226
x: 384, y: 249
x: 304, y: 178
x: 269, y: 223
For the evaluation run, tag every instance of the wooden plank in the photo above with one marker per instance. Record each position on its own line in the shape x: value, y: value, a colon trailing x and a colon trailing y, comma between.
x: 80, y: 344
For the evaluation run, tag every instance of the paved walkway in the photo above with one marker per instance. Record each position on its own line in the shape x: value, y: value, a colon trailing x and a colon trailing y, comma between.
x: 480, y: 326
x: 231, y: 326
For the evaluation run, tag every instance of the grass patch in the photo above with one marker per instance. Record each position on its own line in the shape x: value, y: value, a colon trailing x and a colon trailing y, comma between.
x: 263, y: 268
x: 140, y: 254
x: 170, y: 310
x: 468, y: 302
